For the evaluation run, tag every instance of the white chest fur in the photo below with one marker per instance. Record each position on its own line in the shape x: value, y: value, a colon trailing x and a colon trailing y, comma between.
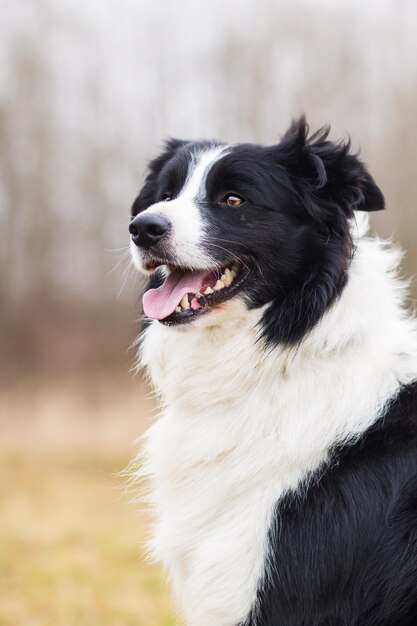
x: 241, y: 425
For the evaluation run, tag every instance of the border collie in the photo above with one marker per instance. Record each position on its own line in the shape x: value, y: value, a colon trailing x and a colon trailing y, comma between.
x: 283, y: 466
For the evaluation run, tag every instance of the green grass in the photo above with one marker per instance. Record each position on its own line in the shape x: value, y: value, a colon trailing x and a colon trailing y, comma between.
x: 71, y: 547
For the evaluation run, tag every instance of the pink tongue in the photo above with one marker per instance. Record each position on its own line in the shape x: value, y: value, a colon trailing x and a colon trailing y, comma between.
x: 161, y: 302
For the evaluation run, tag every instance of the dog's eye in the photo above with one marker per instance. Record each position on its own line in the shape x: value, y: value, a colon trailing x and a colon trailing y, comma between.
x: 166, y: 197
x: 233, y: 200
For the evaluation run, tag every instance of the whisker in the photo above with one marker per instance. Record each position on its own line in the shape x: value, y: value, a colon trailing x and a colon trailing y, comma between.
x: 117, y: 249
x: 127, y: 274
x: 122, y: 258
x: 236, y: 243
x: 230, y: 252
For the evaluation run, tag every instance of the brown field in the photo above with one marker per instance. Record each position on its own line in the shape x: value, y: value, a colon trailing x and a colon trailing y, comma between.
x: 71, y: 541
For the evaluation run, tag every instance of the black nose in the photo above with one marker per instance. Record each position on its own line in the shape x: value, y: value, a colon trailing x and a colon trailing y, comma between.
x: 147, y: 229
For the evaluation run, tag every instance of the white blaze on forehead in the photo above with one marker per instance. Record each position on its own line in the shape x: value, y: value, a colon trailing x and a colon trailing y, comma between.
x: 200, y: 165
x: 184, y: 212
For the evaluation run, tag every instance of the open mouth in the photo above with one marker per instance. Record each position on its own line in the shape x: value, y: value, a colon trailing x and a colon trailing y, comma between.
x: 186, y: 294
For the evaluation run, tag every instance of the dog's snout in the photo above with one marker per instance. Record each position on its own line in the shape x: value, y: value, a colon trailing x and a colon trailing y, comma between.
x: 148, y: 229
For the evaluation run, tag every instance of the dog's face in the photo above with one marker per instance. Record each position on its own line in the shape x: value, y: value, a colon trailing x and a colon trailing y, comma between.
x: 266, y: 224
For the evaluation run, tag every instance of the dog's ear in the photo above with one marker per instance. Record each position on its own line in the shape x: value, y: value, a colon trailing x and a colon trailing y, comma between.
x: 327, y: 175
x: 146, y: 196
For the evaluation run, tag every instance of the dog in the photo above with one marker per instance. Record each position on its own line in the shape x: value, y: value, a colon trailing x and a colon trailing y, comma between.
x: 283, y: 467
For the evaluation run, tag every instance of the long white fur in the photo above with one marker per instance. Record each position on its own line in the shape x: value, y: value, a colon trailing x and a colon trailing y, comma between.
x: 241, y: 425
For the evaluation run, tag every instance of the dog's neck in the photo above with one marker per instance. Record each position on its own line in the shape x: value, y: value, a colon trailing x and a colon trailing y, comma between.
x: 201, y: 370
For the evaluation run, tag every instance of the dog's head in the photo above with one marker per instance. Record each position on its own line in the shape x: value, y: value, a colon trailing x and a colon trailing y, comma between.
x: 266, y: 224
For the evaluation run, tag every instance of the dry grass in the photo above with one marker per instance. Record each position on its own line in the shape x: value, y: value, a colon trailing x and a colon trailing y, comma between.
x: 71, y: 550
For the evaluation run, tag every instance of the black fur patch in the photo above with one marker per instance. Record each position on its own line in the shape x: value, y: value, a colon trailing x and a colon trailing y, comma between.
x: 344, y: 551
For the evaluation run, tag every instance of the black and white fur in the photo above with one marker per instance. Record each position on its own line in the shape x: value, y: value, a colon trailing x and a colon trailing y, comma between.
x: 283, y: 466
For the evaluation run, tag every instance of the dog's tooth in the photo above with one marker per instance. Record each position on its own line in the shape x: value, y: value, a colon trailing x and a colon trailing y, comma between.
x: 223, y: 278
x: 178, y: 309
x: 185, y: 303
x: 208, y: 291
x: 219, y: 285
x: 227, y: 278
x: 233, y: 273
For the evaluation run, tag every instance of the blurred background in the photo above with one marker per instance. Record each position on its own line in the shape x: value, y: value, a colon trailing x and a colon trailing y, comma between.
x: 88, y: 91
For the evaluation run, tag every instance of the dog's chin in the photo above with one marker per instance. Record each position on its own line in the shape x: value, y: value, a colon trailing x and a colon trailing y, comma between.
x: 186, y: 295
